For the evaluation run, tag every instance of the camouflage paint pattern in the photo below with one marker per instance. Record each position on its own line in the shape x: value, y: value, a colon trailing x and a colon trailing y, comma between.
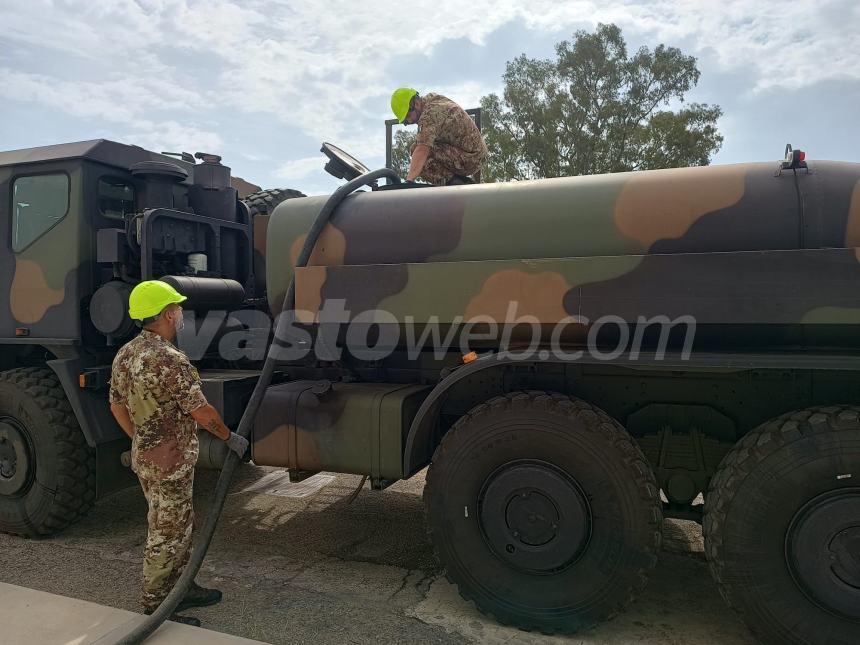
x: 554, y: 289
x: 43, y: 280
x: 48, y: 282
x: 168, y: 540
x: 727, y: 244
x: 160, y: 388
x: 259, y: 226
x: 447, y: 160
x: 351, y: 428
x: 260, y: 233
x: 455, y: 142
x: 732, y: 245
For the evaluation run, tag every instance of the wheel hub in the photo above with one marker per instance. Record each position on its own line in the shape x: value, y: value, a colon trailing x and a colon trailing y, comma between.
x: 845, y: 554
x: 823, y: 551
x: 16, y: 462
x: 534, y: 516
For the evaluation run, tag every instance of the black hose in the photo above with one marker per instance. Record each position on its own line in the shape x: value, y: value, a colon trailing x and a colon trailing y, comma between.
x: 351, y: 498
x: 169, y: 604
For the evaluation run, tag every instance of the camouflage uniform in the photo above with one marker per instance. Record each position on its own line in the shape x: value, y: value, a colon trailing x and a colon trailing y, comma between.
x: 456, y: 145
x: 160, y: 388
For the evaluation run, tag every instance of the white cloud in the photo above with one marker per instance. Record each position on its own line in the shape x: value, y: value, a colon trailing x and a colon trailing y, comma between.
x: 171, y: 136
x: 300, y: 168
x: 121, y: 103
x: 174, y: 68
x: 119, y: 100
x: 253, y: 157
x: 786, y: 45
x: 469, y: 93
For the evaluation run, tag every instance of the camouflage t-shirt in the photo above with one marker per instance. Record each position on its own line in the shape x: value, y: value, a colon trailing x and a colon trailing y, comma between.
x: 444, y: 122
x: 160, y: 388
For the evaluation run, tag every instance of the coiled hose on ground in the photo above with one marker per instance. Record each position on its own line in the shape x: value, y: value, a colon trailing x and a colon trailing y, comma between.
x: 144, y: 629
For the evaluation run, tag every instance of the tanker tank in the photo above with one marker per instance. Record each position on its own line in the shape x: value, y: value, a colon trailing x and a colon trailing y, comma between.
x: 756, y: 254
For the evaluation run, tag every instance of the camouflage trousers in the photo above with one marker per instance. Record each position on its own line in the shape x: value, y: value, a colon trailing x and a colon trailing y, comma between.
x: 168, y: 542
x: 446, y: 160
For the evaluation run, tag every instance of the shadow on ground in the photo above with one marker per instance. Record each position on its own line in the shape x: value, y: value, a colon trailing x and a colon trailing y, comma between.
x: 321, y: 570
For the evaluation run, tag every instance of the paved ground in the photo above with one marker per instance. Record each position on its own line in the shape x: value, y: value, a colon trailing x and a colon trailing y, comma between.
x: 319, y: 570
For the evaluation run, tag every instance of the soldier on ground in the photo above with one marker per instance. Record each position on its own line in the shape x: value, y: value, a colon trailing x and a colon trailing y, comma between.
x: 449, y: 147
x: 156, y: 397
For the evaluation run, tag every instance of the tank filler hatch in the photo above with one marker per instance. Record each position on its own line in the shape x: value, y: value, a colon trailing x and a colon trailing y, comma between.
x: 344, y: 166
x: 341, y: 164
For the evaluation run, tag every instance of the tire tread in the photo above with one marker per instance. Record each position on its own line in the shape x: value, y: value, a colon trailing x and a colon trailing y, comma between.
x: 263, y: 202
x: 740, y: 462
x: 597, y: 422
x: 77, y: 468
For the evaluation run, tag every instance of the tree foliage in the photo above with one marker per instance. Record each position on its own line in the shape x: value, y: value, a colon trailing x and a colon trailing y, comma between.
x: 401, y: 151
x: 593, y: 109
x: 596, y: 110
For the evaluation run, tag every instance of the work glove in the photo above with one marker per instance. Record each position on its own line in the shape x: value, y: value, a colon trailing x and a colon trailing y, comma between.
x: 238, y: 444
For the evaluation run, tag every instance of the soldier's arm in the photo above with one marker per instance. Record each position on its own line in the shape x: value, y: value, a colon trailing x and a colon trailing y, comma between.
x: 123, y: 418
x: 207, y: 417
x: 192, y: 401
x: 419, y: 158
x: 429, y: 127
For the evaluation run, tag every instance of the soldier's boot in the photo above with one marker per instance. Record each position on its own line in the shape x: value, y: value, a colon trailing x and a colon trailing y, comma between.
x: 176, y: 618
x: 198, y: 596
x: 459, y: 180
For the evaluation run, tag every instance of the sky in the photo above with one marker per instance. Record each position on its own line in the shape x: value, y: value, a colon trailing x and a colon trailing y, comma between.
x: 264, y: 82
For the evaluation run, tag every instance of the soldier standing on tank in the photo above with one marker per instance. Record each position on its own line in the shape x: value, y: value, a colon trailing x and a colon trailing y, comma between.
x: 156, y: 397
x: 449, y: 147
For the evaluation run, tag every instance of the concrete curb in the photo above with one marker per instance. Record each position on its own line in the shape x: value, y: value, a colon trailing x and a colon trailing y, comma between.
x: 40, y: 618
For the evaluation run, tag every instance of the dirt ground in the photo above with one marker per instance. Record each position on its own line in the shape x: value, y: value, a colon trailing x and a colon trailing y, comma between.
x: 317, y: 569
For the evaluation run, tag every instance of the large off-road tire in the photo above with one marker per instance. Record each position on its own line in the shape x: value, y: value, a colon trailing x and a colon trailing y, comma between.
x: 264, y: 202
x: 782, y: 527
x: 47, y: 470
x: 544, y: 511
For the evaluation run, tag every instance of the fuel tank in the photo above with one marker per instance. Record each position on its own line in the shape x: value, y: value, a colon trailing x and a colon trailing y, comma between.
x: 734, y: 245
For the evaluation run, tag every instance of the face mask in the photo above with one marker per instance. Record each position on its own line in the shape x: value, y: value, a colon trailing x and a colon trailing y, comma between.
x: 179, y: 321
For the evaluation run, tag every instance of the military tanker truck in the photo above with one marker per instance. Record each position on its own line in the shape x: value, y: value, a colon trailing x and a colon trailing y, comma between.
x: 571, y: 359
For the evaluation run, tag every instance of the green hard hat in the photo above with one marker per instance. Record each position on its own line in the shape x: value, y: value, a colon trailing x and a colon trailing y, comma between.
x: 149, y: 298
x: 400, y: 101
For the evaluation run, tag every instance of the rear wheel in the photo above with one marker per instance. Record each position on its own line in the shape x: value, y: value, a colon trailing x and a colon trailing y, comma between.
x: 47, y: 470
x: 782, y: 527
x: 544, y: 511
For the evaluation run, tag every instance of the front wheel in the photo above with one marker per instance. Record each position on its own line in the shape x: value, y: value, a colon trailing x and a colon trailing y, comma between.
x: 544, y: 511
x: 47, y: 470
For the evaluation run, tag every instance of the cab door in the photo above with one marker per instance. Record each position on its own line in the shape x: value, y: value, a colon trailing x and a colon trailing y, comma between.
x: 41, y: 252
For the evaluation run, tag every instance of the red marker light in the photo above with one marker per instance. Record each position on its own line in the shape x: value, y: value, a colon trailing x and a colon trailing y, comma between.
x: 801, y: 155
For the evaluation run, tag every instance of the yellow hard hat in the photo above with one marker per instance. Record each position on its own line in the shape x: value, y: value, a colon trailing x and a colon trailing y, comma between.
x: 149, y: 298
x: 400, y: 101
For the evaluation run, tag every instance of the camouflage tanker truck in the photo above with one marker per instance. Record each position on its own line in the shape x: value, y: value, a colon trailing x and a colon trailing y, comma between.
x: 573, y: 360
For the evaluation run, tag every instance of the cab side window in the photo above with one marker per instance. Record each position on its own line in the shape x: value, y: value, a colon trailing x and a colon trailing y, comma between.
x: 38, y: 203
x: 116, y: 197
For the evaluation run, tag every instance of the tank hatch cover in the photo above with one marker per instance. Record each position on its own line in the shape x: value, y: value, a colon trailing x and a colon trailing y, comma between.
x: 341, y: 164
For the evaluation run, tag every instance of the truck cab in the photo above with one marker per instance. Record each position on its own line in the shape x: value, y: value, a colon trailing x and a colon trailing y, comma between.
x: 80, y: 225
